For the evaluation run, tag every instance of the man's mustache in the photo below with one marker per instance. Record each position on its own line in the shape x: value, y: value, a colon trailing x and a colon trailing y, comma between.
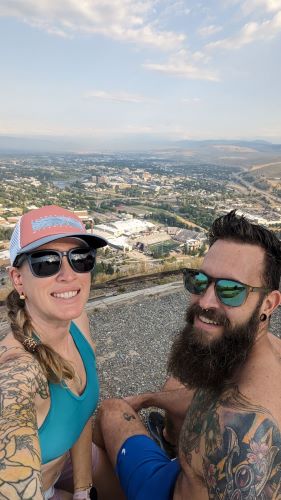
x: 212, y: 314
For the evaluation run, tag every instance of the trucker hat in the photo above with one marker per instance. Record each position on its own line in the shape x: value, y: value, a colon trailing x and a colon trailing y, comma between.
x: 45, y: 224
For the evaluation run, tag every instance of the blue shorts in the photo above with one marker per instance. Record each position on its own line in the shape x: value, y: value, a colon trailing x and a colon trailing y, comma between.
x: 145, y: 471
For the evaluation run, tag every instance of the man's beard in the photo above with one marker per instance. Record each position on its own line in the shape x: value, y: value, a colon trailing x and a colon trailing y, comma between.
x: 208, y: 364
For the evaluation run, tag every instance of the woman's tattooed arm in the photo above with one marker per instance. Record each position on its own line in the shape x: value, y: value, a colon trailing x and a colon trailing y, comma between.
x: 20, y: 461
x: 239, y: 445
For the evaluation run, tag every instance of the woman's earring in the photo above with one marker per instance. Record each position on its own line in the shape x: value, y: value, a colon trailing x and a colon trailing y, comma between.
x: 22, y: 296
x: 263, y: 317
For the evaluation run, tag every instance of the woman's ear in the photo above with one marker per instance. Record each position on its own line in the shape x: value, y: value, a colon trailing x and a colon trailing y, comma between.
x: 16, y: 278
x: 271, y: 302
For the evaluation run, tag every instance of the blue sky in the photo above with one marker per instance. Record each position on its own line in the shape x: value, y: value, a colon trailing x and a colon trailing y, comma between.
x: 112, y: 70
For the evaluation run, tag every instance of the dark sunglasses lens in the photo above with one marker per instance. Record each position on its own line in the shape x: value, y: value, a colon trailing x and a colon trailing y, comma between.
x: 81, y: 260
x: 45, y: 264
x: 231, y: 293
x: 195, y: 282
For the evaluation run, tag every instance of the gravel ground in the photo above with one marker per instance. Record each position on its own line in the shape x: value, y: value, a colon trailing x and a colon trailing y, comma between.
x: 133, y: 341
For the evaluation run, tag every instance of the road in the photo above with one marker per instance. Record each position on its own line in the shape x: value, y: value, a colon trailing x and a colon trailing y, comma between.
x: 255, y: 189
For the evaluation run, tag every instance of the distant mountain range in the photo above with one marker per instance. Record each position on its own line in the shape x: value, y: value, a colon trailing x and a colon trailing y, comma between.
x: 28, y: 144
x: 255, y: 145
x: 14, y: 144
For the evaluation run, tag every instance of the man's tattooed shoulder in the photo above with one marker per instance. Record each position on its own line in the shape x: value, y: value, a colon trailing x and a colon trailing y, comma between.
x: 239, y: 445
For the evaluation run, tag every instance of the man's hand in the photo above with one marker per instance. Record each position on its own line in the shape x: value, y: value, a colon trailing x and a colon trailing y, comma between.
x: 174, y: 398
x: 139, y: 401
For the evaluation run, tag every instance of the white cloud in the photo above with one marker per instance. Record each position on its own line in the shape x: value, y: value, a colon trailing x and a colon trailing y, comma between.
x: 184, y: 65
x: 249, y: 6
x: 116, y: 97
x: 128, y: 20
x: 183, y: 70
x: 209, y: 30
x: 251, y: 32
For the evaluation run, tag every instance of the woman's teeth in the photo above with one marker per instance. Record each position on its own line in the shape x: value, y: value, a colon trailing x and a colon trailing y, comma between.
x: 65, y: 295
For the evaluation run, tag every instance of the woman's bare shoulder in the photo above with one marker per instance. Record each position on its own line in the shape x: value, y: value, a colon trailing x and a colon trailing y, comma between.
x: 13, y: 356
x: 19, y: 368
x: 9, y: 346
x: 21, y: 374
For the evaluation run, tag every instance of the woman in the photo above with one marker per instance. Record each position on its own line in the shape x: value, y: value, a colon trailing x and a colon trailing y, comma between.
x: 48, y: 380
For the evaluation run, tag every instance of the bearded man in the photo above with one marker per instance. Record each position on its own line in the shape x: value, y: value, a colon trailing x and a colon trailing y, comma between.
x: 222, y: 399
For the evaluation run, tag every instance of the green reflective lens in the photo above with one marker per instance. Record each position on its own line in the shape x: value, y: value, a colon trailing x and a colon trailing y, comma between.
x: 231, y: 293
x: 200, y: 283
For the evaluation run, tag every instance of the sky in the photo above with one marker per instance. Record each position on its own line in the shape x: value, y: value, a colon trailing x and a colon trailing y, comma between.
x: 136, y: 71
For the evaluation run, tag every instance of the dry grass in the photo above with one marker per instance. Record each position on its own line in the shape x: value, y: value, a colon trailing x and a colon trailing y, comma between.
x: 144, y: 269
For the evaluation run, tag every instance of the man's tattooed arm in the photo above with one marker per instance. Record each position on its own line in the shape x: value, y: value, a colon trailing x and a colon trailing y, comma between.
x: 239, y: 445
x: 20, y: 460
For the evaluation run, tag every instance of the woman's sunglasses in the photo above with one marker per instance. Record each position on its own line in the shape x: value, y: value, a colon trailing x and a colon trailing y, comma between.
x: 44, y: 263
x: 229, y: 292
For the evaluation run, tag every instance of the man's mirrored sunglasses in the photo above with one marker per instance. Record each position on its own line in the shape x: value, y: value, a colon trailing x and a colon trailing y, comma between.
x: 229, y: 292
x: 44, y: 263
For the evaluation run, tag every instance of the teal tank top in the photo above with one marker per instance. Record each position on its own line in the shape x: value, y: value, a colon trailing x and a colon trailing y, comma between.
x: 68, y: 412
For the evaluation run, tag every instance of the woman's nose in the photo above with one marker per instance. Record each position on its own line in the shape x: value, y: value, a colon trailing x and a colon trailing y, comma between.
x: 66, y: 272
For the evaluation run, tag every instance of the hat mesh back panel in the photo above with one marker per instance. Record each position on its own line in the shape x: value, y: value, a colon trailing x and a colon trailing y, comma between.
x: 15, y: 243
